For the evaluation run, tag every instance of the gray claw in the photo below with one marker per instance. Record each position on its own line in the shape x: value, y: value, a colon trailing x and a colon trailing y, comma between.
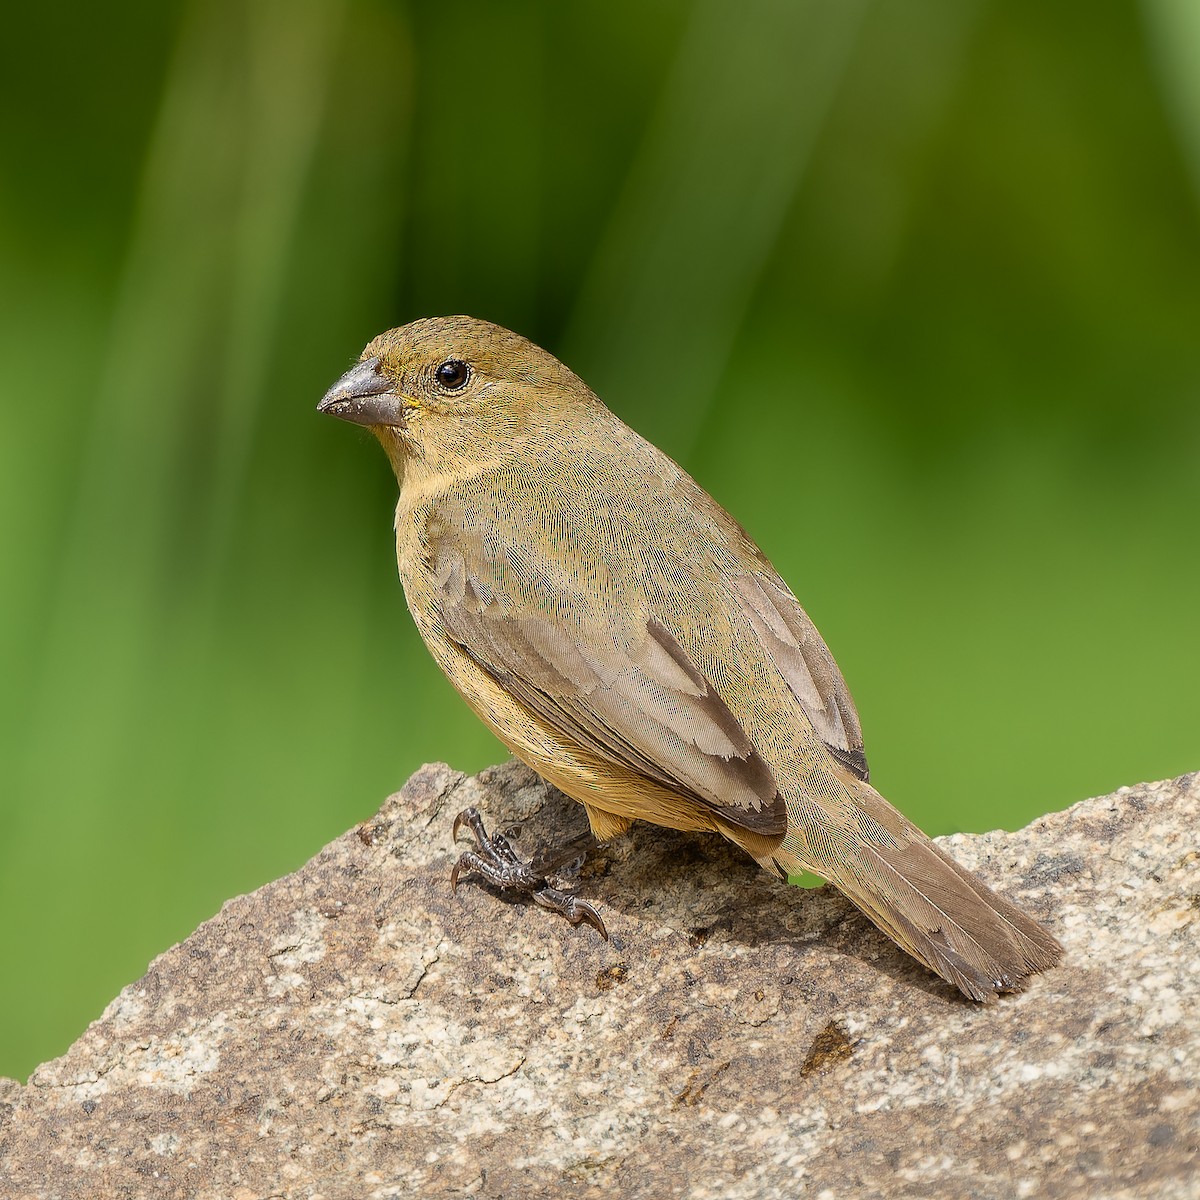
x: 474, y: 822
x: 571, y: 907
x: 496, y: 862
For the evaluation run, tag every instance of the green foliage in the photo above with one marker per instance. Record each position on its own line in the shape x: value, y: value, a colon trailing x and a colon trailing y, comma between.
x: 912, y: 288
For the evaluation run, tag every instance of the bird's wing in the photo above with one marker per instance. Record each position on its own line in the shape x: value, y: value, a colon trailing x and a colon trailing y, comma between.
x: 799, y: 653
x: 622, y: 687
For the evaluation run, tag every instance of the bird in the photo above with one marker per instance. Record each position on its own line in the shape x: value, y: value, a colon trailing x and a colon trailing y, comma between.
x: 625, y: 637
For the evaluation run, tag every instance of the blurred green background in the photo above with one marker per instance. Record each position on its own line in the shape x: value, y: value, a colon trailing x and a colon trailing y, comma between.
x: 912, y: 286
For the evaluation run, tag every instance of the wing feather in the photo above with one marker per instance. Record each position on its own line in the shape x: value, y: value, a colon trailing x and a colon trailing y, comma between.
x: 800, y: 655
x: 625, y: 689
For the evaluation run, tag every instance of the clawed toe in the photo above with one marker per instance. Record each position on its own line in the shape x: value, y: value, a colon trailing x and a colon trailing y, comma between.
x: 571, y: 907
x: 497, y: 863
x: 474, y: 822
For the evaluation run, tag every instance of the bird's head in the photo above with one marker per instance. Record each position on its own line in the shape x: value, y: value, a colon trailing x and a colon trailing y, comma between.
x: 454, y: 391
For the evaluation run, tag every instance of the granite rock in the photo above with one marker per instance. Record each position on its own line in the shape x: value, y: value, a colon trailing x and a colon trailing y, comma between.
x: 356, y: 1030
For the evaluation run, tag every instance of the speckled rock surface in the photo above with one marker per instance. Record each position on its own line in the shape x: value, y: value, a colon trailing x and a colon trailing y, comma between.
x: 356, y: 1030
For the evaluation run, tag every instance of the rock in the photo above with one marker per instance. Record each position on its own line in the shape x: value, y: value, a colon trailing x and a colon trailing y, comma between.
x: 357, y: 1030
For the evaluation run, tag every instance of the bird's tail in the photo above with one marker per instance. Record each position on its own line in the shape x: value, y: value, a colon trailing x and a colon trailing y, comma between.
x: 916, y: 893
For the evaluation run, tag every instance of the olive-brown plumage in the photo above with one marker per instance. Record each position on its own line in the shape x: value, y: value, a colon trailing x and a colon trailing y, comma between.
x: 622, y: 634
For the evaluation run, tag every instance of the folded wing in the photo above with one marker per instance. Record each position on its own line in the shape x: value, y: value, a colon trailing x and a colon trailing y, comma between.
x: 624, y: 688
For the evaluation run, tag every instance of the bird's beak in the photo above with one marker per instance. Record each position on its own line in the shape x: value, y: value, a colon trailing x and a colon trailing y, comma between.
x: 365, y: 397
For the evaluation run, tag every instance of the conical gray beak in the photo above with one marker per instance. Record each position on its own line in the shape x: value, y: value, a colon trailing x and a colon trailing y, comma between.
x: 365, y: 397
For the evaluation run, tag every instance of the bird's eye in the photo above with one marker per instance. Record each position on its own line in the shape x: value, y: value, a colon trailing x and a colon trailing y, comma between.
x: 452, y: 374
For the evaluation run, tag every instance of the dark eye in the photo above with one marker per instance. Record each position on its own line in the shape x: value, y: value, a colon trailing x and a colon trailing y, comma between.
x: 452, y: 374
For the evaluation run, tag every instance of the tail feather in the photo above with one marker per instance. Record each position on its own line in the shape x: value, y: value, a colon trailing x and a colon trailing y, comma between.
x: 951, y: 921
x: 921, y: 898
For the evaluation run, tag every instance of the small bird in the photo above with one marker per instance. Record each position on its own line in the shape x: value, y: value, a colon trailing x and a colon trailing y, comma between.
x: 623, y: 636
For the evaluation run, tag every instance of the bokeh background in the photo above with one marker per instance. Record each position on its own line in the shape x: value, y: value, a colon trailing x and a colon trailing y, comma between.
x: 912, y: 286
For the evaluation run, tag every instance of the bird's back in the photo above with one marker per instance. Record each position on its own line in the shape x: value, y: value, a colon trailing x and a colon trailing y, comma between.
x: 624, y: 536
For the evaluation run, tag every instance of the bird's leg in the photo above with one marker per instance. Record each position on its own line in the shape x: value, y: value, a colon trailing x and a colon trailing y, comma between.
x: 550, y: 877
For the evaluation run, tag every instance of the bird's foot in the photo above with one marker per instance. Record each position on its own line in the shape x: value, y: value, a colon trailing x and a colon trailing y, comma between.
x: 496, y: 861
